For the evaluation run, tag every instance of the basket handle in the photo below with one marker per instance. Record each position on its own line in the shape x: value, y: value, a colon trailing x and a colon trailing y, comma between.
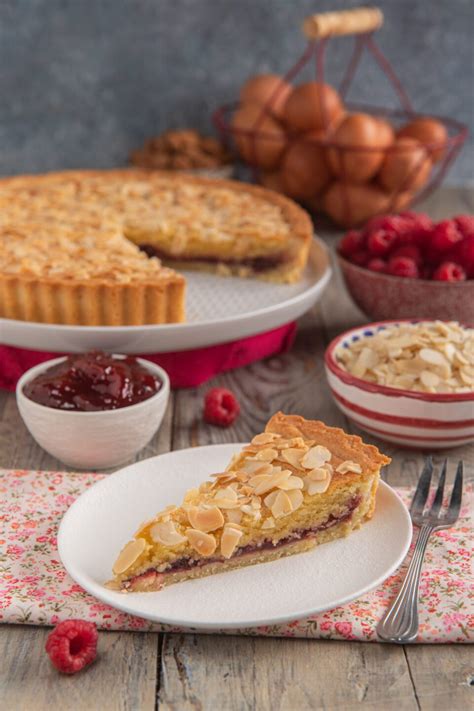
x: 343, y: 22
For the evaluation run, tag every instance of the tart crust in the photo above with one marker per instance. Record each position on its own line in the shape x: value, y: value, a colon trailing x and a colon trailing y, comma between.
x: 297, y: 485
x: 225, y: 227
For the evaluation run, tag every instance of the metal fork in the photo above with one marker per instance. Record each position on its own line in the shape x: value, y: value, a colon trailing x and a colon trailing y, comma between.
x: 400, y: 622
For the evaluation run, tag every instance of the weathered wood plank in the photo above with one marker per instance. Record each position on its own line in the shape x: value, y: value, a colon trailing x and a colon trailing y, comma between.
x: 443, y: 676
x: 123, y: 678
x: 208, y: 673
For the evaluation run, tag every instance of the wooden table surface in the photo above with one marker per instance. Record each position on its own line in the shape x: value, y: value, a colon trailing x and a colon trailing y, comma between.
x: 177, y: 672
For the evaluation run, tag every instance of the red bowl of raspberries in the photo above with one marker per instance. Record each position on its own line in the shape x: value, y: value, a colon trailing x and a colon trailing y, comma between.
x: 406, y: 266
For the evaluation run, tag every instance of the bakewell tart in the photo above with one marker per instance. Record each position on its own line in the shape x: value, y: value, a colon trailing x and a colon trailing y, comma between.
x: 80, y: 255
x: 296, y: 485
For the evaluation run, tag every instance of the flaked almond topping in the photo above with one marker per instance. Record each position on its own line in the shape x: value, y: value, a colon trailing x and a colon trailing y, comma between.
x: 235, y: 457
x: 282, y: 505
x: 293, y: 456
x: 316, y: 457
x: 256, y: 502
x: 225, y: 498
x: 166, y: 534
x: 266, y: 455
x: 318, y: 474
x: 247, y: 509
x: 349, y: 466
x: 241, y: 476
x: 317, y: 487
x: 268, y: 523
x: 229, y: 540
x: 253, y: 467
x: 264, y: 438
x: 233, y: 515
x: 204, y: 543
x: 128, y: 555
x: 296, y: 498
x: 270, y: 481
x: 146, y: 524
x: 205, y: 519
x: 246, y: 490
x: 270, y: 499
x: 428, y: 355
x: 292, y: 443
x: 292, y: 482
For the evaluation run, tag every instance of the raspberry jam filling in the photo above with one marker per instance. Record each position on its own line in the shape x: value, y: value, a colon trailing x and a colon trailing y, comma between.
x: 258, y: 264
x: 93, y: 381
x: 183, y: 564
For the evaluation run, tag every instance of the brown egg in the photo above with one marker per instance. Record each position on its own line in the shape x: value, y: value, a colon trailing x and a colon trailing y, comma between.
x: 356, y: 159
x: 262, y: 140
x: 265, y: 88
x: 406, y: 166
x: 304, y: 171
x: 312, y: 106
x: 387, y: 134
x: 400, y: 201
x: 428, y: 131
x: 272, y: 181
x: 350, y: 205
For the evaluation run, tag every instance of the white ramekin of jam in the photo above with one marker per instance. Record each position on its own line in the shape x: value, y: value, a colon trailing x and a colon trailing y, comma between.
x: 93, y: 410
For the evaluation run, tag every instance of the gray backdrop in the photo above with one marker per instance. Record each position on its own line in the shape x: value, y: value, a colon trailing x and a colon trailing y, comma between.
x: 84, y: 81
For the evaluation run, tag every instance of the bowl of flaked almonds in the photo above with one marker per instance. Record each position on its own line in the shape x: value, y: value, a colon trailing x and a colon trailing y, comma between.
x: 408, y: 382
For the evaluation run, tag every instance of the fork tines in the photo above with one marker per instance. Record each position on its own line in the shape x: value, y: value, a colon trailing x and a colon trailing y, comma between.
x: 422, y: 493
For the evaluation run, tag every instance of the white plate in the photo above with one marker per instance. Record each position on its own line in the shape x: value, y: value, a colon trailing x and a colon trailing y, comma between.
x: 103, y: 519
x: 219, y: 310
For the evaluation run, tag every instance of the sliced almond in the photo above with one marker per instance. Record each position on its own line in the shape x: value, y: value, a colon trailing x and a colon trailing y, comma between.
x: 254, y: 467
x: 316, y: 457
x: 206, y: 520
x: 167, y: 534
x: 296, y: 498
x: 282, y: 505
x: 263, y: 438
x: 429, y: 379
x: 291, y: 483
x: 229, y: 540
x: 349, y: 466
x: 204, y: 543
x: 145, y: 525
x: 128, y: 555
x: 293, y: 456
x: 225, y: 498
x: 318, y: 474
x: 233, y: 515
x: 317, y: 487
x: 268, y: 523
x: 266, y: 455
x: 270, y: 499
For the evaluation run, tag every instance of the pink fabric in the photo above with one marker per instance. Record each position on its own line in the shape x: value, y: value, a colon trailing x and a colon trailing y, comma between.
x: 35, y: 588
x: 185, y: 369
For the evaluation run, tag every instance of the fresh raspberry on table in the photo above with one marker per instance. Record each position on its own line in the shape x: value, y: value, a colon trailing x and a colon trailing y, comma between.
x: 444, y: 237
x: 72, y: 645
x: 389, y: 223
x: 449, y: 271
x: 403, y: 267
x: 360, y: 258
x: 350, y: 243
x: 221, y: 407
x: 377, y: 265
x: 464, y: 254
x: 381, y: 241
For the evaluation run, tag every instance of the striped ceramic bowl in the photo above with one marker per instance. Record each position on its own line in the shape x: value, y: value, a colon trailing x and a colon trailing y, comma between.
x: 412, y: 419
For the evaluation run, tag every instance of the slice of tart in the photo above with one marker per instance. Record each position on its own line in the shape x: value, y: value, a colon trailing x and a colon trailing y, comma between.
x: 298, y: 484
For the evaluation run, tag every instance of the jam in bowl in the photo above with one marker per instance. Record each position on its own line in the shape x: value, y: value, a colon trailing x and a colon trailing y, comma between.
x: 88, y: 382
x: 93, y: 411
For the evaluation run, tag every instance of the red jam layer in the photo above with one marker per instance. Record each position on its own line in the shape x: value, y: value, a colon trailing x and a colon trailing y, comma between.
x: 258, y: 264
x: 184, y: 564
x: 94, y: 381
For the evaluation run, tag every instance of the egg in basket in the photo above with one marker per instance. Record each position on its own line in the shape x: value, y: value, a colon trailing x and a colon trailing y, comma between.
x: 348, y: 161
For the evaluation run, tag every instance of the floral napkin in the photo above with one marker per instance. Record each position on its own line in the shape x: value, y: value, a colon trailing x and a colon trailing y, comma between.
x: 35, y: 588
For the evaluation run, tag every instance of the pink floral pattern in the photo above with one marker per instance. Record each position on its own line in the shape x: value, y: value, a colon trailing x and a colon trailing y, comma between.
x: 35, y: 588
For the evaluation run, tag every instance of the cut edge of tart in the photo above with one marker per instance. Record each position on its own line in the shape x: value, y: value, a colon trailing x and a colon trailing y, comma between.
x: 298, y: 484
x: 112, y: 218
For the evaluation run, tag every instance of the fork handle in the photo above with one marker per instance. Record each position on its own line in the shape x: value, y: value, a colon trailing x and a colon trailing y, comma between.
x: 400, y: 622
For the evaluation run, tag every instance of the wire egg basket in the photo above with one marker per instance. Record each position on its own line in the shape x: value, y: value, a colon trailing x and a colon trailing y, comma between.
x: 354, y: 180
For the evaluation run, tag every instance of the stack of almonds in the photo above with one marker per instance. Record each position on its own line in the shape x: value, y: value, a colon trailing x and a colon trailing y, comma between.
x: 351, y: 165
x: 429, y: 356
x: 270, y: 479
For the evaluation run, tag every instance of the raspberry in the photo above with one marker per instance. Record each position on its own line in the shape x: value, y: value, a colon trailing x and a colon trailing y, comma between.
x: 389, y: 223
x: 72, y: 645
x: 360, y: 258
x: 350, y: 243
x: 377, y: 265
x: 380, y: 242
x: 221, y: 407
x: 403, y: 267
x: 465, y: 225
x: 408, y: 250
x: 445, y: 236
x: 449, y: 271
x: 464, y: 254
